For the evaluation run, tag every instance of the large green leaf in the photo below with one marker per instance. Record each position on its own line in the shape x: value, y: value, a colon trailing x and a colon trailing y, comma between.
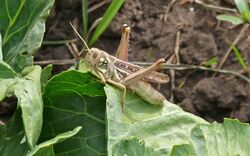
x: 6, y: 71
x: 28, y: 91
x: 46, y: 148
x: 13, y: 143
x: 133, y: 147
x: 228, y: 139
x: 12, y: 137
x: 22, y: 28
x: 165, y: 129
x: 75, y: 99
x: 171, y: 131
x: 160, y: 127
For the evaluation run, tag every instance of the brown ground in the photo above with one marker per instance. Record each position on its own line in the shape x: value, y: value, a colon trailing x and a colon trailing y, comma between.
x: 210, y: 96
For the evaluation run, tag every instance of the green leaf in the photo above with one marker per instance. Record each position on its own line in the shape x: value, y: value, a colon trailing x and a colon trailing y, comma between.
x: 106, y: 19
x: 242, y: 6
x: 22, y: 28
x: 1, y: 52
x: 178, y: 150
x: 7, y: 79
x: 6, y: 71
x: 210, y: 62
x: 45, y: 75
x: 12, y: 139
x: 46, y: 148
x: 167, y: 130
x: 229, y: 18
x: 75, y: 99
x: 133, y: 147
x: 85, y: 18
x: 28, y: 92
x: 160, y: 127
x: 11, y: 136
x: 239, y: 58
x: 171, y: 131
x: 246, y: 17
x: 228, y: 139
x: 6, y: 87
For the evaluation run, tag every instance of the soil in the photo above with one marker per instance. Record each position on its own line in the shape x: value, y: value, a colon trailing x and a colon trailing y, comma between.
x: 154, y: 30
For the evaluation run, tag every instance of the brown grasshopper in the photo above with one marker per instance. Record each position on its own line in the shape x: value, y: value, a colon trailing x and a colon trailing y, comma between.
x: 118, y: 72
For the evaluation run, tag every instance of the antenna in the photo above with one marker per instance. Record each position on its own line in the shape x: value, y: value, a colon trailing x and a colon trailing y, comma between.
x: 79, y: 35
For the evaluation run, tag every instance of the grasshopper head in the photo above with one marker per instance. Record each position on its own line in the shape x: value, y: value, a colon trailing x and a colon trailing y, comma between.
x: 98, y: 59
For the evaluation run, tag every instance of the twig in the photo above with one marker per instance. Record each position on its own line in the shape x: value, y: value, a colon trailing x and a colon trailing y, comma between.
x: 176, y: 60
x: 165, y: 17
x: 188, y: 67
x: 98, y: 5
x: 236, y: 40
x: 214, y: 7
x: 56, y: 62
x: 71, y: 50
x: 165, y: 66
x: 58, y: 42
x: 172, y: 75
x: 55, y: 23
x: 93, y: 26
x: 177, y: 47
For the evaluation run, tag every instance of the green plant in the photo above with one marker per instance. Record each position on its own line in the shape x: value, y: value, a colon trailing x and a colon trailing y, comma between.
x: 243, y: 8
x: 107, y: 17
x: 85, y: 18
x: 22, y: 29
x: 210, y: 62
x: 50, y: 113
x: 244, y: 18
x: 239, y: 58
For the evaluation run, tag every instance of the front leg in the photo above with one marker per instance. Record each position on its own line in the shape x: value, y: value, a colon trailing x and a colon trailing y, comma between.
x: 101, y: 77
x: 121, y: 86
x: 134, y: 77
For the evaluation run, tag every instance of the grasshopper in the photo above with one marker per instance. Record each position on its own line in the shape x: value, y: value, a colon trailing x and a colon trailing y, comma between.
x: 118, y: 72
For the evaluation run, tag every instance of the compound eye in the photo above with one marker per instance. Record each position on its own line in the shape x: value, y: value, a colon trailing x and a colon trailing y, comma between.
x: 103, y: 61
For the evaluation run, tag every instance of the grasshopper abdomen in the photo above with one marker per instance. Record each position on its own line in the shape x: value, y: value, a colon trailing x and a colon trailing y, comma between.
x: 147, y: 92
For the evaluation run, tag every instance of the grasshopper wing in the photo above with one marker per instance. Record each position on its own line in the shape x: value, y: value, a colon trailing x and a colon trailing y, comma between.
x: 128, y: 68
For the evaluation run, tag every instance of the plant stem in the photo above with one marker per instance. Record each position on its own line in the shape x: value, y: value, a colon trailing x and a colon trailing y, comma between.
x: 242, y: 32
x: 215, y: 7
x: 56, y: 62
x: 188, y: 67
x: 85, y: 18
x: 58, y: 42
